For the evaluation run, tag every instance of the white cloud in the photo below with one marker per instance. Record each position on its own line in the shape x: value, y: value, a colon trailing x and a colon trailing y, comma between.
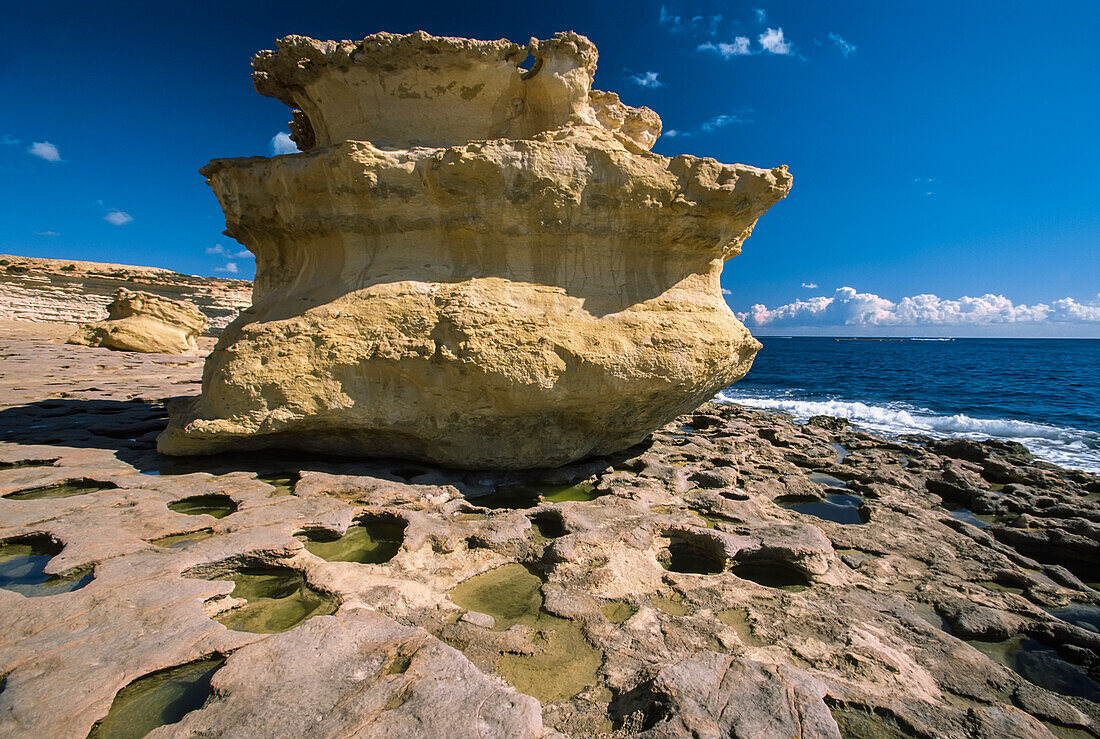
x: 45, y: 150
x: 726, y: 292
x: 707, y: 24
x: 720, y: 121
x: 46, y: 233
x: 773, y: 42
x: 646, y: 79
x: 809, y: 285
x: 673, y: 22
x: 739, y: 47
x: 847, y: 307
x: 281, y: 143
x: 8, y: 140
x: 230, y: 268
x: 118, y: 217
x: 673, y: 133
x: 761, y: 16
x: 845, y: 47
x: 221, y: 251
x: 1069, y: 310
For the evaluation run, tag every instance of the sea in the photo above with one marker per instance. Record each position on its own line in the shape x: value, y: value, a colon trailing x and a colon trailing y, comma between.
x: 1042, y: 393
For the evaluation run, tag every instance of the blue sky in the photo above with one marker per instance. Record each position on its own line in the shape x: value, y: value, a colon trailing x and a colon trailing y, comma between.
x: 944, y: 154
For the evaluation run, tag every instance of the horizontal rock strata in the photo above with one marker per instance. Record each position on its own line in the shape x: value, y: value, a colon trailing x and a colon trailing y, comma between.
x: 473, y: 264
x: 67, y: 291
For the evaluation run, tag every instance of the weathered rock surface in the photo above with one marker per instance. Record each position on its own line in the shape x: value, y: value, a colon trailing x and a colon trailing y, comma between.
x: 65, y: 291
x: 473, y: 265
x: 143, y: 322
x: 712, y: 606
x: 405, y: 683
x: 716, y: 695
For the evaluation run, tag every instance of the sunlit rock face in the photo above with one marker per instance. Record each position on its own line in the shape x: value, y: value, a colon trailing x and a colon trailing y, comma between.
x: 143, y: 322
x: 476, y: 262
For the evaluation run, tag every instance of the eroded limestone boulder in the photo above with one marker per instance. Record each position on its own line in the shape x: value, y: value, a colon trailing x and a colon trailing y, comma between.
x: 143, y: 322
x: 472, y: 264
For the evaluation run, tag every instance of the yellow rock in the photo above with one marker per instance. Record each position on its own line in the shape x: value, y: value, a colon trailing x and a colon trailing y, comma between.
x: 437, y: 280
x: 143, y: 322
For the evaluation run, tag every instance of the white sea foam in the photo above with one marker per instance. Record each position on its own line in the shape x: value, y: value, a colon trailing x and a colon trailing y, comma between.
x: 1068, y: 447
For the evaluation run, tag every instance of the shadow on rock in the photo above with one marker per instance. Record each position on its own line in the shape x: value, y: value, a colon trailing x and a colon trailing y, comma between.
x: 130, y: 428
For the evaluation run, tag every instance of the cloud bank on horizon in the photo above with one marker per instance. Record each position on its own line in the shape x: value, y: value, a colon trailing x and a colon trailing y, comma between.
x: 847, y: 307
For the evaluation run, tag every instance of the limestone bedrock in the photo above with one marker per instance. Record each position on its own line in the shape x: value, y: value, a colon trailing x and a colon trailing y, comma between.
x: 143, y: 322
x: 473, y: 264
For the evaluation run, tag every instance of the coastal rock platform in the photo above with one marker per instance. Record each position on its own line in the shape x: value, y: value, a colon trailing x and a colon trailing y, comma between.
x: 734, y: 574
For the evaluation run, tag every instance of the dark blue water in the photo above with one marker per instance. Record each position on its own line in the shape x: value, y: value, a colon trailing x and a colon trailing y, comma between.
x: 1043, y: 393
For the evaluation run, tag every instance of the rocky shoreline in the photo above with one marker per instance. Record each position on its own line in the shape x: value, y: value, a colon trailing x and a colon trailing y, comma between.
x: 736, y: 574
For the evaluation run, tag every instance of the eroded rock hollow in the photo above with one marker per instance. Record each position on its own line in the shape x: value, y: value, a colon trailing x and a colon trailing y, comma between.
x: 473, y: 263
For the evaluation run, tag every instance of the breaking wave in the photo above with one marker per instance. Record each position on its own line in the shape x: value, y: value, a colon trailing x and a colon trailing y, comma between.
x: 1068, y: 447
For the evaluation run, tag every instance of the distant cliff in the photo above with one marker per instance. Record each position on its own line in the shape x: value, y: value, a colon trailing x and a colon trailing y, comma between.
x: 60, y: 290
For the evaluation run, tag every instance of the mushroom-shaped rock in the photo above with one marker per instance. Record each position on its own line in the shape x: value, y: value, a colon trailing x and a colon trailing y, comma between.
x: 143, y: 322
x: 474, y: 264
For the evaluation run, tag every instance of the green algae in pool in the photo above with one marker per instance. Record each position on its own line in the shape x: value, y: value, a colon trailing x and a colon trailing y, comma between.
x: 562, y: 493
x: 1041, y: 665
x: 282, y: 482
x: 529, y: 496
x: 997, y: 587
x: 714, y: 519
x: 563, y: 662
x: 772, y: 575
x: 66, y: 489
x: 22, y: 463
x: 863, y: 722
x: 738, y: 620
x: 278, y: 599
x: 158, y: 699
x: 617, y: 611
x: 179, y: 540
x: 838, y: 508
x: 23, y: 564
x: 978, y: 520
x: 672, y: 604
x: 218, y: 506
x: 469, y: 516
x: 371, y: 541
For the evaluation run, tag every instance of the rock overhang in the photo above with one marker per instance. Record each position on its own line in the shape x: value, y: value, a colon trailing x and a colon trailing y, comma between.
x: 506, y: 279
x: 421, y: 90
